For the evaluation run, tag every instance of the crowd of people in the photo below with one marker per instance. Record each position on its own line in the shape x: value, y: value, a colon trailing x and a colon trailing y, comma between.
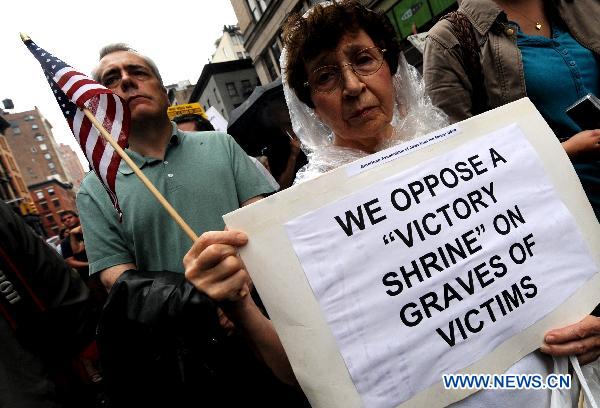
x: 181, y: 323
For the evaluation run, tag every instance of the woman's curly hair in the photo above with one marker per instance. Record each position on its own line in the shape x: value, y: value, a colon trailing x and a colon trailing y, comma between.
x: 322, y: 29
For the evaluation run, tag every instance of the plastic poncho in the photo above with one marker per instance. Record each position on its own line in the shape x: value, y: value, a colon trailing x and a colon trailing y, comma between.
x: 414, y: 115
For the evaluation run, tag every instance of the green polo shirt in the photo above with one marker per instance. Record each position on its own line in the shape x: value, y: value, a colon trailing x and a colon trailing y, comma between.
x: 203, y: 175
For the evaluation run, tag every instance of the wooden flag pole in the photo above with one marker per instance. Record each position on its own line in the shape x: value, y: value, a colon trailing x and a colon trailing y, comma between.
x: 167, y: 206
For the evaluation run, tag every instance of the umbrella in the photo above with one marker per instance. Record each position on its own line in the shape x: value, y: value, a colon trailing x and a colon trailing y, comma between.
x: 263, y: 111
x: 259, y: 125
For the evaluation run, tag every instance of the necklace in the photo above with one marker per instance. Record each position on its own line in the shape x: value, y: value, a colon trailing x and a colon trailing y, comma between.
x: 538, y: 25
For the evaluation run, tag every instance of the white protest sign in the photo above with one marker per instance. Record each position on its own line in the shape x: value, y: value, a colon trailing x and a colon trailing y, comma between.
x: 431, y: 269
x: 402, y: 149
x: 313, y: 343
x: 216, y: 119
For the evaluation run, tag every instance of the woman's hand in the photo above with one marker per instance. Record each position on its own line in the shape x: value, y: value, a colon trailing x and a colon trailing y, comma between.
x: 581, y: 339
x: 295, y: 144
x: 213, y: 267
x: 584, y: 144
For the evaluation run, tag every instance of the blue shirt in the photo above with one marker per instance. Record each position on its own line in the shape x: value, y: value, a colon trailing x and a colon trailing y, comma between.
x: 558, y: 71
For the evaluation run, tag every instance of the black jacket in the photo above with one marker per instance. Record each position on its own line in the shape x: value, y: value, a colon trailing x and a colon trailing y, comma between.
x: 45, y: 315
x: 161, y: 345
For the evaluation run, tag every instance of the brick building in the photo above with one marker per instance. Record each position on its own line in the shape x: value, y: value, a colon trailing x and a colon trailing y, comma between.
x: 12, y: 186
x: 51, y: 197
x: 32, y: 143
x: 72, y: 165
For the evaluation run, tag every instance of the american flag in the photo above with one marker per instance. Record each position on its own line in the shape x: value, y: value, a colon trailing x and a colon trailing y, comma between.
x: 75, y: 91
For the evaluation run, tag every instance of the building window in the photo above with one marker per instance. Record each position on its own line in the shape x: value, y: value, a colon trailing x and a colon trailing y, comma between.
x: 246, y: 87
x: 39, y: 137
x: 56, y: 203
x: 50, y: 219
x: 29, y: 117
x: 50, y: 191
x: 39, y: 194
x: 216, y: 96
x: 43, y: 147
x: 44, y: 205
x: 33, y: 150
x: 240, y: 55
x: 257, y: 8
x: 51, y: 165
x: 231, y: 89
x: 16, y: 130
x: 276, y: 50
x: 208, y: 103
x: 47, y: 156
x: 34, y: 126
x: 53, y: 171
x: 270, y: 67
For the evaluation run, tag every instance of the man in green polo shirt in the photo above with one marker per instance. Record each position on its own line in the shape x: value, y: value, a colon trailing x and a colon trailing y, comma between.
x: 203, y: 175
x: 140, y: 260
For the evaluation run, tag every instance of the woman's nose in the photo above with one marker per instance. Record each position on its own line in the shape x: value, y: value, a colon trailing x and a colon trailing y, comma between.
x: 352, y: 84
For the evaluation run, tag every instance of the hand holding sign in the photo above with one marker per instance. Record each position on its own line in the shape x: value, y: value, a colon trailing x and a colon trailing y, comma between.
x: 581, y: 339
x: 213, y: 267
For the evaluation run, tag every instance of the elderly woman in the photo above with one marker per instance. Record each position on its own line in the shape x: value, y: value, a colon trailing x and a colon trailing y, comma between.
x: 348, y: 96
x: 349, y: 91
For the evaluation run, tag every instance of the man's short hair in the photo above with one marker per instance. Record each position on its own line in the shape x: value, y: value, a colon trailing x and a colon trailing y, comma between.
x: 115, y: 47
x: 68, y: 212
x: 201, y: 124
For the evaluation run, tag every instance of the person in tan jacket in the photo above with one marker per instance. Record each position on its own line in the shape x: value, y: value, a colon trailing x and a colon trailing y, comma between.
x: 499, y: 51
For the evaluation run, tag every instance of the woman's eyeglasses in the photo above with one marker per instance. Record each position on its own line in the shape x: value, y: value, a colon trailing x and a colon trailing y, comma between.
x: 328, y: 77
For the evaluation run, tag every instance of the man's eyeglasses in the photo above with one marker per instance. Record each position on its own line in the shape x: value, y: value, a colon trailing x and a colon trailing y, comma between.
x: 328, y: 77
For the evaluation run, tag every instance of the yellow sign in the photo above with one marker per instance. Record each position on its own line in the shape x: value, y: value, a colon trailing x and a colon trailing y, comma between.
x: 187, y: 109
x: 27, y: 207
